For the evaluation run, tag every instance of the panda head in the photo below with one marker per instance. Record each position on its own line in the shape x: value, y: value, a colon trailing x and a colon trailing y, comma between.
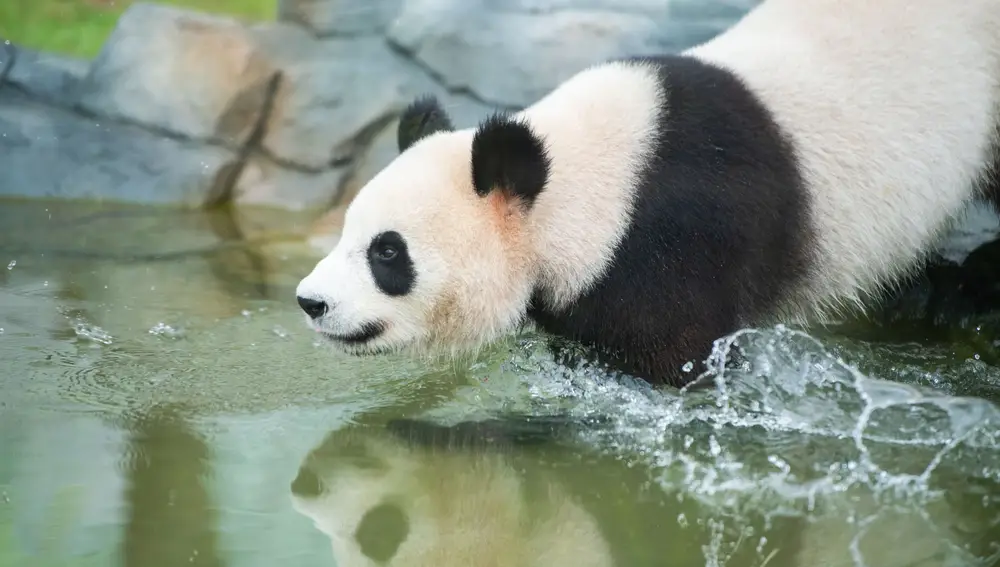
x: 399, y: 499
x: 435, y: 249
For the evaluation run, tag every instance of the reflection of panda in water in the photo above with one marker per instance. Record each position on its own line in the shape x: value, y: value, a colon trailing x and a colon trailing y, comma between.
x: 799, y: 162
x: 469, y: 496
x: 383, y: 501
x: 474, y: 496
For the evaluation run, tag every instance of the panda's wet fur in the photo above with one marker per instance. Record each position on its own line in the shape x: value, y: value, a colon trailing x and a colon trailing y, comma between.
x: 796, y: 165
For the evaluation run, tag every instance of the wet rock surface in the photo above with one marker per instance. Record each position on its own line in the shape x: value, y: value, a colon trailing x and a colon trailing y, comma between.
x: 50, y: 152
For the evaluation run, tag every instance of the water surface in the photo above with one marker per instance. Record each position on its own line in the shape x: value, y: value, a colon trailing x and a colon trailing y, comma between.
x: 162, y: 404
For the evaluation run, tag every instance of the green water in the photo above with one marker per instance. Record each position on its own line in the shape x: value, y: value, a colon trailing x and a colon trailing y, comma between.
x: 162, y: 404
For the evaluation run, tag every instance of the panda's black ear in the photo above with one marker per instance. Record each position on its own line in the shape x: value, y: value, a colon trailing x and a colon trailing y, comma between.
x: 423, y: 117
x: 508, y: 156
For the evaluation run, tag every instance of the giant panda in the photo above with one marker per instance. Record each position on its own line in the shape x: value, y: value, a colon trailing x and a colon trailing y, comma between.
x: 789, y: 169
x: 486, y: 493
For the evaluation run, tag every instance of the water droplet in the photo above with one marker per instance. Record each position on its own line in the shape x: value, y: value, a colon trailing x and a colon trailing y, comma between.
x: 1, y: 330
x: 12, y: 264
x: 45, y: 283
x: 6, y: 42
x: 93, y: 333
x: 976, y: 356
x: 280, y: 332
x: 682, y: 520
x: 163, y: 330
x: 760, y: 546
x: 246, y: 313
x: 713, y: 446
x: 688, y: 366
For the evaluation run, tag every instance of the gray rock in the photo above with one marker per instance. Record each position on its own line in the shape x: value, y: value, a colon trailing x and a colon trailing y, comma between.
x: 513, y: 59
x: 379, y: 153
x: 51, y: 152
x: 654, y: 8
x: 722, y: 12
x: 196, y: 75
x: 48, y: 76
x: 330, y: 100
x: 262, y: 182
x: 339, y: 17
x: 513, y: 53
x: 284, y: 42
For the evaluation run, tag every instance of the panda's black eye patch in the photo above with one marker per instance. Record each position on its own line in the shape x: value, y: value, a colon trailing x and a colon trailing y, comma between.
x: 390, y: 264
x: 381, y: 531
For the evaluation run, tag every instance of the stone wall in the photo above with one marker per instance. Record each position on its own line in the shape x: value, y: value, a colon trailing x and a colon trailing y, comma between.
x: 194, y: 109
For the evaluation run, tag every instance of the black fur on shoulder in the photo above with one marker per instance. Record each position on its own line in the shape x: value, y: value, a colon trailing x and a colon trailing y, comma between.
x: 508, y: 156
x: 421, y: 118
x: 720, y: 233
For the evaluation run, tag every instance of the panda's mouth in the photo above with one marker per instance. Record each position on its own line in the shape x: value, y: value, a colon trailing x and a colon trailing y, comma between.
x: 367, y: 333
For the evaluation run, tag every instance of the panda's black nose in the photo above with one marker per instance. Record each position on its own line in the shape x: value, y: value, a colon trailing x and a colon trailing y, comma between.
x: 312, y: 307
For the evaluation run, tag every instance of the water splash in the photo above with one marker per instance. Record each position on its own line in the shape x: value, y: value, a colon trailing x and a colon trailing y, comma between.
x: 162, y: 329
x: 787, y: 429
x: 92, y: 333
x: 11, y: 265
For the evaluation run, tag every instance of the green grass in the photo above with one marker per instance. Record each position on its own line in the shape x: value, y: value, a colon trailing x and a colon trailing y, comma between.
x: 79, y: 27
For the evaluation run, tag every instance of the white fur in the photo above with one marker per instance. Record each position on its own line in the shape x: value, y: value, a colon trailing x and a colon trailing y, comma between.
x: 892, y: 106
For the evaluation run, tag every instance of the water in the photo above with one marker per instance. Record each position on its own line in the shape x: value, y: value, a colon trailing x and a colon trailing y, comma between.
x: 162, y: 404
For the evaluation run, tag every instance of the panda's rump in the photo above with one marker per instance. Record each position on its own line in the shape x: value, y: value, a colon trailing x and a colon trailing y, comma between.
x: 892, y: 107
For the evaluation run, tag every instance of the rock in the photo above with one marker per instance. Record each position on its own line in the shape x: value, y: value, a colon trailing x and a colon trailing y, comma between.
x: 265, y: 183
x: 48, y: 76
x: 723, y: 12
x: 51, y: 152
x: 284, y: 42
x: 513, y: 53
x: 331, y: 101
x: 513, y: 59
x: 339, y: 17
x: 195, y: 75
x: 655, y: 8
